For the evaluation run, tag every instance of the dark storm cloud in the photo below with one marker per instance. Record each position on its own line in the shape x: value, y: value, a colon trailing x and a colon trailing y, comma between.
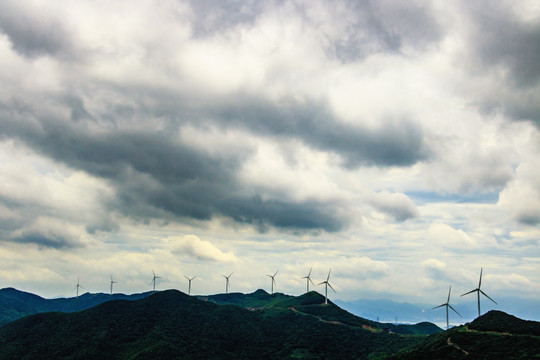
x: 32, y: 34
x: 47, y: 240
x: 395, y: 143
x: 507, y: 46
x: 156, y: 176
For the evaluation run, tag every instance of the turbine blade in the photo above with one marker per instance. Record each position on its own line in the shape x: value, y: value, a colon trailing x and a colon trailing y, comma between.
x: 486, y: 295
x: 276, y: 272
x: 194, y: 277
x: 467, y: 293
x: 480, y: 282
x: 450, y: 306
x: 311, y: 280
x: 309, y: 272
x: 449, y: 290
x: 230, y: 275
x: 436, y: 307
x: 186, y: 277
x: 328, y: 278
x: 324, y: 282
x: 331, y: 287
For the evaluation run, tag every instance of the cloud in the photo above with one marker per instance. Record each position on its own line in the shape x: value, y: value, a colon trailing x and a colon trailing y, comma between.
x: 363, y: 268
x: 449, y: 237
x: 192, y: 246
x: 436, y: 269
x: 503, y: 50
x: 399, y: 206
x: 521, y: 197
x: 49, y: 233
x: 33, y: 32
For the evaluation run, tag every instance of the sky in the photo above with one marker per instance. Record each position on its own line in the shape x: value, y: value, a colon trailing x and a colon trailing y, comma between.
x: 394, y: 142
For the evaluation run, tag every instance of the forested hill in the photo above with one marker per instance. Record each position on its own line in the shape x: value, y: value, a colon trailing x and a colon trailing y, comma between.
x: 309, y: 304
x: 172, y: 325
x: 15, y: 304
x: 495, y: 335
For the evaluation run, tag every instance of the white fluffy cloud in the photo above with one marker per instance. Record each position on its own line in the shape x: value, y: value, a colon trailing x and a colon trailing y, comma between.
x: 192, y: 246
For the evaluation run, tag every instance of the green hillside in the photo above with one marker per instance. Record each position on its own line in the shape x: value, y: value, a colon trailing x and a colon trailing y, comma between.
x: 15, y: 304
x: 310, y: 304
x: 172, y: 325
x: 495, y: 335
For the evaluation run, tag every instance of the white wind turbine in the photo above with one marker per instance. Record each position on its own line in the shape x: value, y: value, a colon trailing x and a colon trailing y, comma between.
x: 78, y: 286
x: 112, y: 282
x: 327, y: 284
x: 308, y: 279
x: 227, y: 282
x: 478, y: 291
x: 273, y: 281
x: 447, y: 305
x: 154, y: 280
x: 189, y: 286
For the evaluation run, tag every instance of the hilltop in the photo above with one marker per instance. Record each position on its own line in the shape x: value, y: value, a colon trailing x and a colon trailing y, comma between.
x: 309, y: 304
x: 172, y: 325
x: 495, y: 335
x: 15, y: 304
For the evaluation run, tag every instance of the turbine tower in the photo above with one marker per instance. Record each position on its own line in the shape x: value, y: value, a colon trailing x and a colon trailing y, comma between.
x: 154, y: 280
x: 478, y: 291
x: 308, y: 279
x: 112, y: 282
x: 447, y: 304
x: 326, y: 285
x: 78, y: 286
x: 189, y: 286
x: 227, y: 282
x: 273, y: 281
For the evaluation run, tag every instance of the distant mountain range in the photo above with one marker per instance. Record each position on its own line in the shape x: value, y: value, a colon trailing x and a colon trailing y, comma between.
x: 172, y: 325
x: 388, y: 310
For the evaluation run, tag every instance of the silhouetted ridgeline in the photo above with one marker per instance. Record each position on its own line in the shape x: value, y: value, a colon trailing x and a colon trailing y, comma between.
x: 172, y: 325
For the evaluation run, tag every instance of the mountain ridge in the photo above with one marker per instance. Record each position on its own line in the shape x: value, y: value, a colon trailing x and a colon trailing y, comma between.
x: 173, y: 325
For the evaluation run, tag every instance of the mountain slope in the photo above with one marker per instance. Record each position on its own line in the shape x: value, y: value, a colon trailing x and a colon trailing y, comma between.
x: 309, y: 304
x: 172, y: 325
x: 15, y: 304
x: 495, y: 335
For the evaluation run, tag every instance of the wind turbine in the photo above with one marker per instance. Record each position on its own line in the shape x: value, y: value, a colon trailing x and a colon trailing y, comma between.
x: 273, y: 280
x: 447, y: 304
x: 189, y: 286
x: 308, y: 279
x: 112, y: 282
x: 154, y: 280
x: 327, y: 284
x: 227, y: 282
x: 78, y: 286
x: 478, y: 291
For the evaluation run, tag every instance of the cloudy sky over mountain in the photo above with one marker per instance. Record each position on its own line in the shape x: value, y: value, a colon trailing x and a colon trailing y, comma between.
x: 396, y: 142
